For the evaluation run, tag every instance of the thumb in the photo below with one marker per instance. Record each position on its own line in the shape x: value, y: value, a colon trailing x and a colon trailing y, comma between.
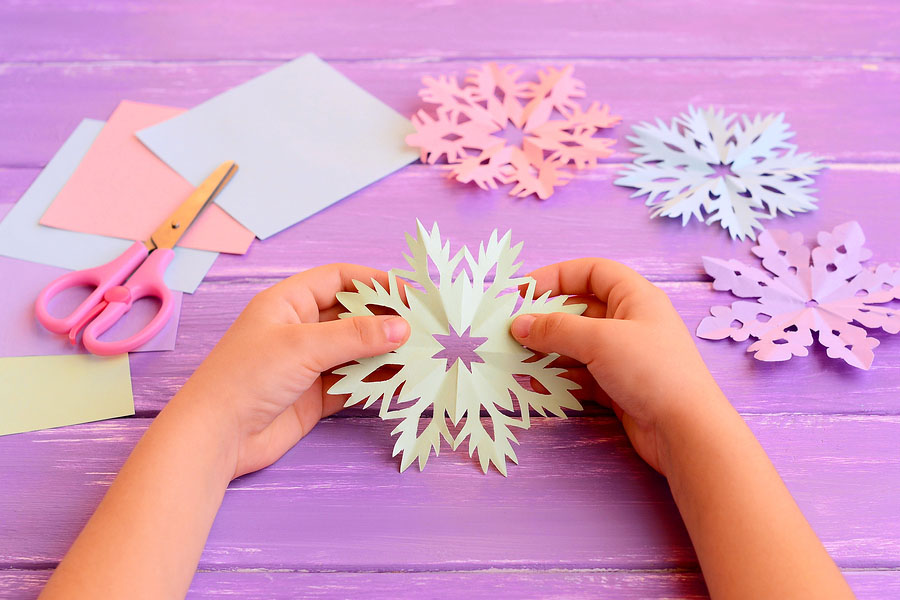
x: 331, y: 343
x: 563, y: 333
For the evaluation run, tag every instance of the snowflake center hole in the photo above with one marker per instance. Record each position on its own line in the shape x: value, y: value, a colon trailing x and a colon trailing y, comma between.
x: 512, y: 134
x: 721, y: 170
x: 811, y: 304
x: 459, y: 348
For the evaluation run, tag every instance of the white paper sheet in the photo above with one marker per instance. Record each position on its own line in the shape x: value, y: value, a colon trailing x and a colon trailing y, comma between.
x: 304, y: 136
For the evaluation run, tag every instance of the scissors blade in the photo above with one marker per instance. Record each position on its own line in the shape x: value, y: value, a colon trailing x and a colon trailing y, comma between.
x: 177, y: 223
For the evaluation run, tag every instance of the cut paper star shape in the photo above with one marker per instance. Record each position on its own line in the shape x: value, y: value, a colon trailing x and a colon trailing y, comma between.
x: 460, y: 348
x: 439, y: 379
x: 717, y: 168
x: 799, y: 296
x: 546, y: 114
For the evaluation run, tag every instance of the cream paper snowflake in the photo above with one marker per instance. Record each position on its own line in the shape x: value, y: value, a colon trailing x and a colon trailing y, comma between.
x: 714, y: 167
x: 555, y: 131
x: 435, y: 386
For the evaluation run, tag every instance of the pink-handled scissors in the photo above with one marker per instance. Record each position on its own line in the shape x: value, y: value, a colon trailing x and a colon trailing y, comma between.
x: 115, y: 291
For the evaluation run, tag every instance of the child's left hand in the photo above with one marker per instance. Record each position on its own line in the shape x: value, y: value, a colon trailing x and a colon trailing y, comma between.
x: 268, y: 375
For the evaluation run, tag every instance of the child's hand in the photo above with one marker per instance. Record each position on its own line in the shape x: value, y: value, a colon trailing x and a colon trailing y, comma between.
x: 640, y: 359
x: 637, y: 357
x: 266, y: 374
x: 262, y: 388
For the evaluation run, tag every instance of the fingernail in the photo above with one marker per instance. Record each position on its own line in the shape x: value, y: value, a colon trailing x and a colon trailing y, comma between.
x: 396, y: 329
x: 522, y: 326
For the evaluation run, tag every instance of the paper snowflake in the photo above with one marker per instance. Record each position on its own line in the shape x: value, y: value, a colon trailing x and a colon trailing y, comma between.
x: 466, y: 119
x: 435, y: 385
x: 733, y: 172
x: 796, y: 297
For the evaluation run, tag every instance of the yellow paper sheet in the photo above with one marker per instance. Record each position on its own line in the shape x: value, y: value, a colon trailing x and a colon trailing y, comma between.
x: 40, y: 392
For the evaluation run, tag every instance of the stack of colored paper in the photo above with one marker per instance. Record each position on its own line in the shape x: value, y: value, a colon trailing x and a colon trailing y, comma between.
x: 303, y: 136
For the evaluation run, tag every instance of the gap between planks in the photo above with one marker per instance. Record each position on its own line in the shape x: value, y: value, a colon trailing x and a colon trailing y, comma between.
x: 881, y: 167
x: 50, y: 567
x: 277, y: 60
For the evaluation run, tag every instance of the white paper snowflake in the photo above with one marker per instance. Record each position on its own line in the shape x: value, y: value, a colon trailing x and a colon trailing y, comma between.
x: 461, y: 297
x: 715, y: 168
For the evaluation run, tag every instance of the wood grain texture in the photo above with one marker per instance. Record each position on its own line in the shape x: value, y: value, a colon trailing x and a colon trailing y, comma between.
x: 275, y: 585
x: 841, y: 109
x: 19, y: 585
x: 581, y: 516
x: 569, y: 585
x: 814, y: 384
x: 281, y: 29
x: 589, y: 217
x: 580, y: 498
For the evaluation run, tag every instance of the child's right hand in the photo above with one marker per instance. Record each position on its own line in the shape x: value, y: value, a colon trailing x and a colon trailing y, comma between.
x: 633, y: 352
x: 637, y: 356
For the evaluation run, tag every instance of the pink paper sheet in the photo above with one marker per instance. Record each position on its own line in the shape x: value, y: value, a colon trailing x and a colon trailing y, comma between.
x: 121, y: 189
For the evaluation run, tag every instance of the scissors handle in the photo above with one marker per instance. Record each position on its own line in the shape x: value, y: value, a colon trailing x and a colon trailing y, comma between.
x: 147, y: 282
x: 103, y: 278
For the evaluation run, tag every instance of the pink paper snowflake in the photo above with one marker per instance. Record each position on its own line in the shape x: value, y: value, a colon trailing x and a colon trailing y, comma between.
x: 461, y: 131
x: 797, y: 297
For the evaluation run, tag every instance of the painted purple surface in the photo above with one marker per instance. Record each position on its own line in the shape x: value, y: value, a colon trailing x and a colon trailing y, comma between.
x: 581, y: 503
x: 874, y: 585
x: 824, y: 100
x: 362, y: 30
x: 579, y: 499
x: 589, y: 216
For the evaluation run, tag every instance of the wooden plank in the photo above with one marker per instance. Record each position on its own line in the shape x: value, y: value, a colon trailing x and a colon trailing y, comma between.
x: 580, y: 498
x: 814, y: 384
x: 495, y: 584
x: 842, y: 109
x: 589, y: 217
x: 276, y: 585
x: 66, y: 31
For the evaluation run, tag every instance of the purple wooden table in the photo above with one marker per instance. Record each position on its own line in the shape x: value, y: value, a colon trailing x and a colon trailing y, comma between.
x: 582, y: 516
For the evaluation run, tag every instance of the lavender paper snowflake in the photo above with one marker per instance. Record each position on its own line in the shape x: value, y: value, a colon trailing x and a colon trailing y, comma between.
x: 797, y: 297
x: 714, y: 168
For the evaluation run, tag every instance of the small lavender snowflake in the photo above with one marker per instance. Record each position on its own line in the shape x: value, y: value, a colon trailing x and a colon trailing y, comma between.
x: 799, y: 296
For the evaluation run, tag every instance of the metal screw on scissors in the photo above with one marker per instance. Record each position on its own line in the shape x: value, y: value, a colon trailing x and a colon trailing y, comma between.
x: 115, y: 292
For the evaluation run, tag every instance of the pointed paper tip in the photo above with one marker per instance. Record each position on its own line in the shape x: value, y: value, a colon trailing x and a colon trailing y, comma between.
x: 500, y: 466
